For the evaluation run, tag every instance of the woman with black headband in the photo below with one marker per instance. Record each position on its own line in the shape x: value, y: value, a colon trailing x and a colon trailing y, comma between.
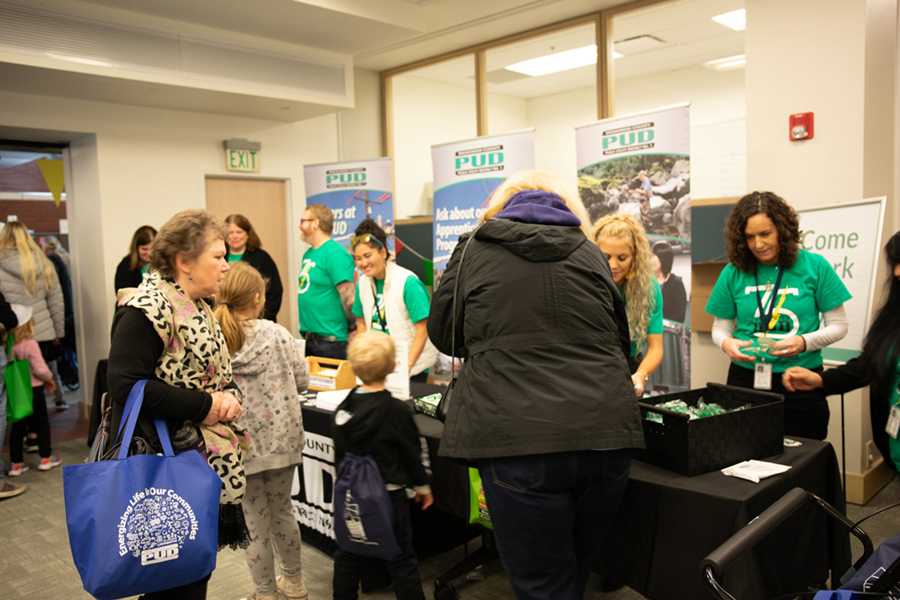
x: 391, y: 299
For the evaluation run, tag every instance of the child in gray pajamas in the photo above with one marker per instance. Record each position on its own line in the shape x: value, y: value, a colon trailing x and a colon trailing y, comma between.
x: 270, y: 369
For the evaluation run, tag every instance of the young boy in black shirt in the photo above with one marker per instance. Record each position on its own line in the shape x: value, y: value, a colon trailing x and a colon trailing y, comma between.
x: 372, y: 422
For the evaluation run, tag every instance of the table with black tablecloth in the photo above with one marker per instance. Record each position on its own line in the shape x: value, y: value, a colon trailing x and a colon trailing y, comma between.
x: 668, y: 523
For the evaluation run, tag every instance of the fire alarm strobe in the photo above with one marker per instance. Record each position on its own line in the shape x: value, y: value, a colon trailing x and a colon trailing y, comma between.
x: 801, y: 127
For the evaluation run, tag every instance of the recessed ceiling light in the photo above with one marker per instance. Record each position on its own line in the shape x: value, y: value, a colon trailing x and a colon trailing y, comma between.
x: 727, y: 64
x: 554, y: 63
x: 561, y: 61
x: 736, y: 19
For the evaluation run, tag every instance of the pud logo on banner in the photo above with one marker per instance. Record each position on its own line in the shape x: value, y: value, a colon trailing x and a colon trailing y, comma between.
x: 628, y: 139
x: 343, y: 178
x: 155, y: 525
x: 479, y: 160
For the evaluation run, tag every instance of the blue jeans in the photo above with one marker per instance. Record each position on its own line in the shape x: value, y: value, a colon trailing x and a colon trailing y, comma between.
x: 551, y: 513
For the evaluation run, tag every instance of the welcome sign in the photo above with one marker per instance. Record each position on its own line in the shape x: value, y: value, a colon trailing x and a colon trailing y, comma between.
x: 465, y: 176
x: 354, y: 191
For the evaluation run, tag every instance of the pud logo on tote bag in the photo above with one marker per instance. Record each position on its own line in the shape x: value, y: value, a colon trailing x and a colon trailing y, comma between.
x: 155, y: 525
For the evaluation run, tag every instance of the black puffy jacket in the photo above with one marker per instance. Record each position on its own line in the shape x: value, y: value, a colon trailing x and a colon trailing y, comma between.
x: 545, y: 336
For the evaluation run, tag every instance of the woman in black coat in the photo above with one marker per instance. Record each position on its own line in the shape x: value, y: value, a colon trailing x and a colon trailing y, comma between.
x: 244, y: 244
x: 671, y: 285
x: 877, y: 366
x: 544, y: 402
x: 131, y: 270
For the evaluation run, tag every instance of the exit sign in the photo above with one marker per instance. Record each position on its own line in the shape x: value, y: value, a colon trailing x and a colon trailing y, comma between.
x: 242, y: 160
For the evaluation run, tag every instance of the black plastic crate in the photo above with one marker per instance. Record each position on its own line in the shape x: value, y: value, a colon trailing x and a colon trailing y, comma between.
x: 693, y: 447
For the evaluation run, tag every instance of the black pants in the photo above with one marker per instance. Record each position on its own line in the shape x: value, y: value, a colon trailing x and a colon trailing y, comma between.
x: 806, y: 414
x: 336, y: 350
x: 405, y: 578
x: 38, y: 423
x: 191, y: 591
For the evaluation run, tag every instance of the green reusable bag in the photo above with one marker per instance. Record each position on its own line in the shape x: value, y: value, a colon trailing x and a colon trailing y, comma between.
x: 478, y: 510
x: 17, y: 376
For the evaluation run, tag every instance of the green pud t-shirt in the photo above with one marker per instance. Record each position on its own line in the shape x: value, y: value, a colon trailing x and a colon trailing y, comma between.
x: 810, y: 287
x: 318, y: 301
x: 415, y: 297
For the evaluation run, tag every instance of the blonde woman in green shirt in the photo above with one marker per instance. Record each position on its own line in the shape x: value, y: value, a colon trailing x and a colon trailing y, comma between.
x: 622, y: 239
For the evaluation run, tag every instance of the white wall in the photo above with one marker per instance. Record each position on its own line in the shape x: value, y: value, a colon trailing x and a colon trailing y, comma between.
x: 818, y: 67
x: 425, y: 113
x: 141, y: 166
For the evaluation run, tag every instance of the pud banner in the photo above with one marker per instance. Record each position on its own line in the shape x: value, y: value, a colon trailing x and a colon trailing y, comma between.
x: 354, y: 191
x: 465, y: 175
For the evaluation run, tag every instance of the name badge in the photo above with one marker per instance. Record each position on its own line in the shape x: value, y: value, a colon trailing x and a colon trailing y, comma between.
x: 893, y: 424
x: 762, y: 376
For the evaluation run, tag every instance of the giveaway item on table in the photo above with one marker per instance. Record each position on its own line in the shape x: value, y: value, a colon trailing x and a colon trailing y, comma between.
x: 331, y: 400
x: 141, y: 524
x: 754, y: 470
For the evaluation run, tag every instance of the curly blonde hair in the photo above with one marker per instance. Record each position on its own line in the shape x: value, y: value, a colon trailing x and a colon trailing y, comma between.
x: 537, y: 180
x: 639, y: 297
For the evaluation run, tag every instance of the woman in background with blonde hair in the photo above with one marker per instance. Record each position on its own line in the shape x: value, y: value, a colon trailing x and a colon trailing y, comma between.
x: 270, y: 369
x: 543, y: 403
x: 622, y: 239
x: 28, y: 277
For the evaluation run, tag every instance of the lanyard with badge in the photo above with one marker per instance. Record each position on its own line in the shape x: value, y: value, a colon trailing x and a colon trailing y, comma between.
x: 378, y: 316
x: 893, y: 423
x: 762, y: 376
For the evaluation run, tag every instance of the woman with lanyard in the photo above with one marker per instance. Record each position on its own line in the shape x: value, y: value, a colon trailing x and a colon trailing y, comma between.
x: 391, y: 299
x: 244, y: 244
x: 622, y: 239
x: 878, y: 366
x: 767, y: 303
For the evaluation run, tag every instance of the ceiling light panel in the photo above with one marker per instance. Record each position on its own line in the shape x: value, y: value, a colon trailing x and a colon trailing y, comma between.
x: 736, y: 19
x: 727, y: 64
x: 554, y: 63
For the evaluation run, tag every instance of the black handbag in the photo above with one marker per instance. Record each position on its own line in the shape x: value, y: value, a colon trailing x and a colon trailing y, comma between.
x: 444, y: 405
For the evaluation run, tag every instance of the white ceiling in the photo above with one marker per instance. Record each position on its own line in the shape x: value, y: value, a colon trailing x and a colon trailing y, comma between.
x: 382, y: 34
x: 690, y: 37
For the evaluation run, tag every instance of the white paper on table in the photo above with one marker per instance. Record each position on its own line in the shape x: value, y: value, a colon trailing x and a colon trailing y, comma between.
x: 327, y: 372
x: 398, y: 382
x: 331, y: 400
x: 754, y: 470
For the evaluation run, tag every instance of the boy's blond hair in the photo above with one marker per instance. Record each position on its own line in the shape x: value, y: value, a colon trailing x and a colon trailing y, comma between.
x: 372, y: 355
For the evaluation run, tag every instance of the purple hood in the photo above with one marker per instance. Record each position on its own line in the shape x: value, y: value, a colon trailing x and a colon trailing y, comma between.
x: 538, y: 207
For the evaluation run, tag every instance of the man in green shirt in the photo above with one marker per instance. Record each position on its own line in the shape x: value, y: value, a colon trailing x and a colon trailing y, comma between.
x: 325, y: 287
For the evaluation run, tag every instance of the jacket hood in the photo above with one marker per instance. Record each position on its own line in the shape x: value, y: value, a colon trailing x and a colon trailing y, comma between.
x: 9, y: 262
x: 368, y: 413
x: 537, y: 206
x: 244, y: 360
x: 533, y: 242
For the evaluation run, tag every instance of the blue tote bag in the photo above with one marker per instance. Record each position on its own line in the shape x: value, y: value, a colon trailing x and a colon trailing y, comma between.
x: 363, y: 512
x: 144, y: 523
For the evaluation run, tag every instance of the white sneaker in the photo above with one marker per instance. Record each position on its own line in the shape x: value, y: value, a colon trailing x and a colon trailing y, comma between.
x: 292, y: 587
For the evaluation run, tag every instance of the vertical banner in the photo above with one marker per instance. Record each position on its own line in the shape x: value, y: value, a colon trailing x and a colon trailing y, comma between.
x: 640, y: 165
x: 353, y: 191
x: 465, y: 175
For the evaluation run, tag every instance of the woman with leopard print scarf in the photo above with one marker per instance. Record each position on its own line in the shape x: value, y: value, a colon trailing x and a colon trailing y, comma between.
x: 164, y: 331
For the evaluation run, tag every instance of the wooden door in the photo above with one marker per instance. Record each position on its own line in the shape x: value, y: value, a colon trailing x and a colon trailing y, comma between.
x: 263, y: 202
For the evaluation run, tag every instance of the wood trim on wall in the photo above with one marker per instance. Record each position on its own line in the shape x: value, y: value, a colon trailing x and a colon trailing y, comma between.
x: 481, y: 96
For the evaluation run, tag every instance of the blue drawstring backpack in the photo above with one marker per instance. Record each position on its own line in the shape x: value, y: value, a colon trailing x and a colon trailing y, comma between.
x: 145, y: 523
x: 363, y: 512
